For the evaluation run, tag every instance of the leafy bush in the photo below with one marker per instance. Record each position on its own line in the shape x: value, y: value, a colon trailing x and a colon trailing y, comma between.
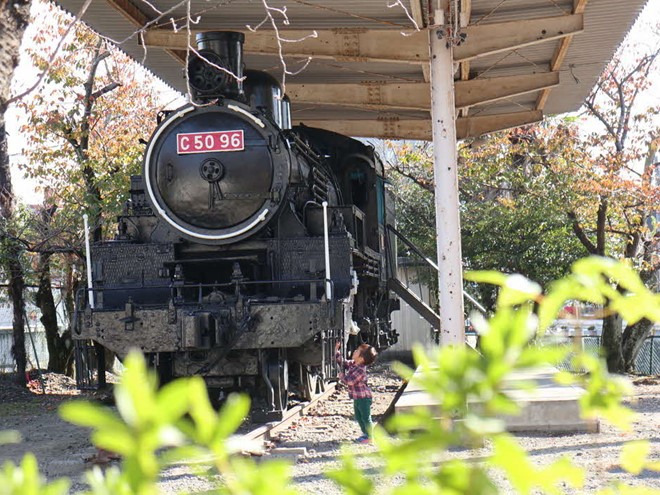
x: 156, y: 427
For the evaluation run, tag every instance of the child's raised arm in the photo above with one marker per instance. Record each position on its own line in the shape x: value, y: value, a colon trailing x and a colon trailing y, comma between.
x: 338, y: 357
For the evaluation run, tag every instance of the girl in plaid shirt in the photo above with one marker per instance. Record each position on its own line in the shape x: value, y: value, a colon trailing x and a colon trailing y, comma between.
x: 353, y: 373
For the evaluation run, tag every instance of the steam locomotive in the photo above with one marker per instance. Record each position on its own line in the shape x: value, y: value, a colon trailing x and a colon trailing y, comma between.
x: 247, y: 248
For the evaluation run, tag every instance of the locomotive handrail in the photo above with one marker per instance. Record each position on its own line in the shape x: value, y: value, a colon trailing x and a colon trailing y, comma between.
x: 200, y: 286
x: 413, y: 248
x: 215, y: 284
x: 433, y: 265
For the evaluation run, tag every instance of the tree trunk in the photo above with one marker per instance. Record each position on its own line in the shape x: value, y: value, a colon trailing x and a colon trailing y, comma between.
x: 611, y: 341
x: 14, y: 17
x: 11, y: 263
x: 17, y: 296
x: 633, y: 339
x: 60, y: 347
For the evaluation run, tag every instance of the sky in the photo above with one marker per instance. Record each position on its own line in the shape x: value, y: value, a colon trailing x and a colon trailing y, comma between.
x: 25, y: 75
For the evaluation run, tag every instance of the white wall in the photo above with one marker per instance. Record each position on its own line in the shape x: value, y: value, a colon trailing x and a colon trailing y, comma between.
x: 411, y: 326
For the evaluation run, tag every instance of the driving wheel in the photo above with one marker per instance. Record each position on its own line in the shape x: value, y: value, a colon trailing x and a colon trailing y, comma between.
x: 278, y: 374
x: 309, y: 382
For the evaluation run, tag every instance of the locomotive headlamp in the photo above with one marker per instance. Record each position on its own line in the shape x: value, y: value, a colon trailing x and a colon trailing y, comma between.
x: 205, y: 76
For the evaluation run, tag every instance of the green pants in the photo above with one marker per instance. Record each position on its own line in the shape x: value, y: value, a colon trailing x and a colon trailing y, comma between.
x: 362, y: 409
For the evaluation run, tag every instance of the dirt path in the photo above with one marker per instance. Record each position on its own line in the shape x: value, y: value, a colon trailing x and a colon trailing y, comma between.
x: 61, y: 448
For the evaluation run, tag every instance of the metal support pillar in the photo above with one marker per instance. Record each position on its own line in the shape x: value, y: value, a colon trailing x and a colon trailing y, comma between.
x: 448, y: 227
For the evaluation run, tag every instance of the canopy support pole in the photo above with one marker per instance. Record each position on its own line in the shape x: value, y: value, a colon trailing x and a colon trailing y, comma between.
x: 448, y: 227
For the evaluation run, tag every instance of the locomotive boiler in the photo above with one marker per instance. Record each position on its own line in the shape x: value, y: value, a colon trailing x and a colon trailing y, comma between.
x: 247, y: 248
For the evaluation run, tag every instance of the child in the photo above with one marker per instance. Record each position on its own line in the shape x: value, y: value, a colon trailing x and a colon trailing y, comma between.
x: 354, y: 374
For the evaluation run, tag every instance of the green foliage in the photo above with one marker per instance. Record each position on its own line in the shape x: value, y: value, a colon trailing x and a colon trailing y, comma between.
x: 472, y: 393
x: 514, y: 194
x: 25, y: 479
x: 154, y: 428
x: 9, y: 436
x: 513, y: 198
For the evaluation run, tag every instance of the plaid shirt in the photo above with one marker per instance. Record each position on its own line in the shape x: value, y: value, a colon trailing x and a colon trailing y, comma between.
x: 354, y: 376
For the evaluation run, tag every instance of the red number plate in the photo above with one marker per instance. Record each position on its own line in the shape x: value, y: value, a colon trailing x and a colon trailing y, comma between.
x: 208, y: 142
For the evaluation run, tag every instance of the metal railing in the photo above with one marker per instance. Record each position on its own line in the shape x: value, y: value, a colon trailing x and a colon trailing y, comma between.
x: 425, y: 274
x: 179, y: 291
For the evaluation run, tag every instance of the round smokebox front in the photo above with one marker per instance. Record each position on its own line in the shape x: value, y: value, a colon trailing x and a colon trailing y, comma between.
x: 211, y: 174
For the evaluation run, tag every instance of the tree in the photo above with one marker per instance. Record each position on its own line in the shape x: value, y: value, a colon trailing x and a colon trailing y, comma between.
x: 508, y: 220
x: 533, y: 199
x: 624, y: 198
x: 14, y: 18
x: 60, y: 344
x: 84, y: 129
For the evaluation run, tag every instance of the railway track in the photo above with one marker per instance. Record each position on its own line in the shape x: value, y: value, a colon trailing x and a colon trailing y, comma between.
x: 265, y: 432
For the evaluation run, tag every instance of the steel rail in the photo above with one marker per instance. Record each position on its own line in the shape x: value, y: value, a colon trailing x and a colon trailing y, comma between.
x: 266, y: 431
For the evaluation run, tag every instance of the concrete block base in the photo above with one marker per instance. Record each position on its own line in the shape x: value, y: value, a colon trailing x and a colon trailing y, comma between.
x: 550, y: 407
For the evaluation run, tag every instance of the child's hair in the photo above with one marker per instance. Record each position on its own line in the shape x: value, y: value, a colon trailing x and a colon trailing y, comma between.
x: 368, y: 353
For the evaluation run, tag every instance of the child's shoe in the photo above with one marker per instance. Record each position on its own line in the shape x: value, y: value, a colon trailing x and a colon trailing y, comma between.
x: 365, y: 441
x: 360, y: 439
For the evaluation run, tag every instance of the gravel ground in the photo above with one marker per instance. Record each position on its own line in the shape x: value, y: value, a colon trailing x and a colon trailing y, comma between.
x: 326, y: 431
x: 321, y: 433
x: 62, y: 448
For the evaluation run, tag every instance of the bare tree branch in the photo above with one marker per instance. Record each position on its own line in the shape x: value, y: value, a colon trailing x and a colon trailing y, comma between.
x: 97, y: 94
x: 581, y: 235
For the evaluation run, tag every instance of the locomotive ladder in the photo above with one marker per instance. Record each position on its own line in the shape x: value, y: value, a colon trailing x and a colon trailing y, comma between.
x: 413, y: 299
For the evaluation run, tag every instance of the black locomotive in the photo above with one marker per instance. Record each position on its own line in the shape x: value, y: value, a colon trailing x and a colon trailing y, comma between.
x: 247, y: 248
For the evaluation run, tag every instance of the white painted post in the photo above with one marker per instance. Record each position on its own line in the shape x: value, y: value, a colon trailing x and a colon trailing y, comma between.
x: 448, y: 227
x: 326, y: 246
x: 88, y: 259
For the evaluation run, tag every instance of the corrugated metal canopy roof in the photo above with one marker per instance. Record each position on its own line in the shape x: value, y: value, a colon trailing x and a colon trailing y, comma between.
x: 369, y: 70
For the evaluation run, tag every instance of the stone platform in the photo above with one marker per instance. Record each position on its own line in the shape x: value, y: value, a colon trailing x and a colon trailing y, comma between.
x: 549, y: 408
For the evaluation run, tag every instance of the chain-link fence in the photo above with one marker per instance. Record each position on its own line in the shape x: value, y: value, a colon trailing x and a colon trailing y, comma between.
x: 646, y: 363
x: 648, y: 359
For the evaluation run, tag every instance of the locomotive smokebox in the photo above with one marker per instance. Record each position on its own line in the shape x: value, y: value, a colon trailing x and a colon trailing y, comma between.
x: 217, y: 174
x: 216, y: 70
